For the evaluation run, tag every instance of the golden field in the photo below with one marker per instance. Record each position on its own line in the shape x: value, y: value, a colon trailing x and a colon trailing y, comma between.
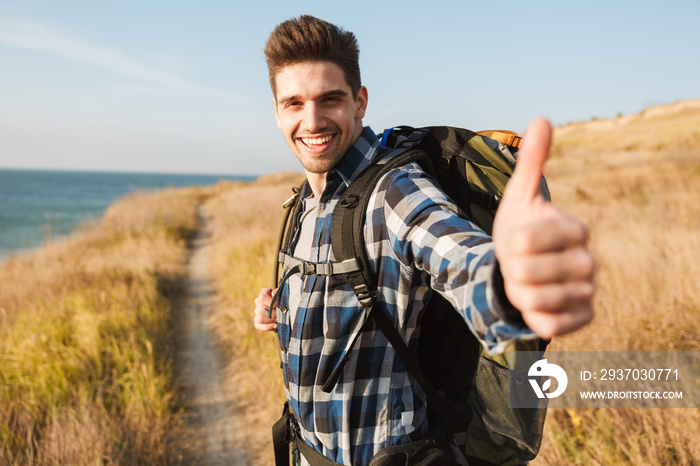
x: 86, y: 349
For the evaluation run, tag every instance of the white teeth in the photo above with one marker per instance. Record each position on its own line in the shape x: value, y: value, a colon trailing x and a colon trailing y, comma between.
x: 316, y: 141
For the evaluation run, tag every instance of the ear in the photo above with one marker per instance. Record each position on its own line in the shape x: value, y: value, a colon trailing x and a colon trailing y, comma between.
x: 277, y: 117
x: 361, y: 103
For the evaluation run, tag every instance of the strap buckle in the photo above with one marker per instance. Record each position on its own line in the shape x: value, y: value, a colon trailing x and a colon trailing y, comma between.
x: 364, y: 295
x: 316, y: 268
x: 308, y: 268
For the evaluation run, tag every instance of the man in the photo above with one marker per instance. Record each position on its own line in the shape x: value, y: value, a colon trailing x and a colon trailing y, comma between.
x: 417, y: 245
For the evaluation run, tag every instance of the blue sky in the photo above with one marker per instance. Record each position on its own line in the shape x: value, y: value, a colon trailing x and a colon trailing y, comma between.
x: 175, y: 86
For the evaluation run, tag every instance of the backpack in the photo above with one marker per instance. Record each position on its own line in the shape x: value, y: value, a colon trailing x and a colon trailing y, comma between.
x: 467, y: 388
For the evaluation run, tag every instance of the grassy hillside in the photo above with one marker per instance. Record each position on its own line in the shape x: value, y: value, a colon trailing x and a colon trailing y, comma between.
x: 86, y: 373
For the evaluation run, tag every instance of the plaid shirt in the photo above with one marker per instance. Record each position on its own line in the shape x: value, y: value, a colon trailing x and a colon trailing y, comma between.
x: 416, y: 243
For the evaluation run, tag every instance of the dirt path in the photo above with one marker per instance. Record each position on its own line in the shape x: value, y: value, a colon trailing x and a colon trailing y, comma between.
x: 212, y: 436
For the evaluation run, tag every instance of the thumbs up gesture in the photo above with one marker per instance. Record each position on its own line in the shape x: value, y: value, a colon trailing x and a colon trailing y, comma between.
x: 547, y: 269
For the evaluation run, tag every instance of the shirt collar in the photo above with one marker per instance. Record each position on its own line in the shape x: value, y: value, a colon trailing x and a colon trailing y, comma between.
x: 358, y: 156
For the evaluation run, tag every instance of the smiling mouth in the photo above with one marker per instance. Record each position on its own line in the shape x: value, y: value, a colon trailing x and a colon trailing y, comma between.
x: 316, y: 141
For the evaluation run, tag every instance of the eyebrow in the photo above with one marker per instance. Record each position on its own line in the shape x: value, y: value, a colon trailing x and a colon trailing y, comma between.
x: 331, y: 93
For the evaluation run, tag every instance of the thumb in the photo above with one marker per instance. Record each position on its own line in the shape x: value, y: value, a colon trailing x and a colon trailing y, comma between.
x: 525, y: 182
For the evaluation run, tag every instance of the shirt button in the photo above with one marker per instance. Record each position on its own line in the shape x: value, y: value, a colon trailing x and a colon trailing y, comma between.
x: 284, y: 350
x: 284, y: 310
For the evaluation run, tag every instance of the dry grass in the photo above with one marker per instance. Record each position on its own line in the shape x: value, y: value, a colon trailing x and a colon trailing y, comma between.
x: 85, y: 340
x: 672, y: 129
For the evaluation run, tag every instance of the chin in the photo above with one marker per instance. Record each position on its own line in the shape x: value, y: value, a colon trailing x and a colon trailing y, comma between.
x: 319, y: 165
x: 317, y: 169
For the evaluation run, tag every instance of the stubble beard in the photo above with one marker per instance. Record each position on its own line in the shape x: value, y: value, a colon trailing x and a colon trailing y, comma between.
x: 321, y: 165
x: 326, y: 163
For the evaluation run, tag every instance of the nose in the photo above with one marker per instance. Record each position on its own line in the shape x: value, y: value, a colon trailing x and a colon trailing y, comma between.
x: 313, y: 119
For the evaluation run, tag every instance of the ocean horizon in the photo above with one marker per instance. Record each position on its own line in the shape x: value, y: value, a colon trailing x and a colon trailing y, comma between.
x: 38, y: 206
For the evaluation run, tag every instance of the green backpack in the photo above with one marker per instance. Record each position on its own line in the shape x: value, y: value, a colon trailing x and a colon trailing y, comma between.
x: 467, y: 388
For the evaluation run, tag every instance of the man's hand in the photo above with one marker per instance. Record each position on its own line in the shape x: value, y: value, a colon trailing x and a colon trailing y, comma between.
x: 547, y: 269
x: 262, y: 304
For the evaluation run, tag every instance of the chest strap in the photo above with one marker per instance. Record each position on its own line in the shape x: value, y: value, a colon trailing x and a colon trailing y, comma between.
x: 317, y: 268
x: 295, y: 266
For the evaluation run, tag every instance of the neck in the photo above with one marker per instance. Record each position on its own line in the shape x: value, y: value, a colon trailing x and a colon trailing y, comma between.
x: 317, y: 182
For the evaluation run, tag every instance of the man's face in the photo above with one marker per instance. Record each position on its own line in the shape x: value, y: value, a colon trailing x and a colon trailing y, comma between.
x: 316, y: 112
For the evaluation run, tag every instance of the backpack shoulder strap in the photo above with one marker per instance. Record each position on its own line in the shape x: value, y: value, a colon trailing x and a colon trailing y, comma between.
x: 286, y: 231
x: 347, y: 225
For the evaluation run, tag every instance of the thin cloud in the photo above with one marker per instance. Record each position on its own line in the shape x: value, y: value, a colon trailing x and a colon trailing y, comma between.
x: 35, y: 36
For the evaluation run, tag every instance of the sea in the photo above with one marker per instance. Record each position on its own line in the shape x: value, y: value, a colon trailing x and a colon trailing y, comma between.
x: 37, y: 206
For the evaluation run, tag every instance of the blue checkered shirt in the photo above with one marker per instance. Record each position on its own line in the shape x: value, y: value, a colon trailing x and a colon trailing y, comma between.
x: 417, y: 244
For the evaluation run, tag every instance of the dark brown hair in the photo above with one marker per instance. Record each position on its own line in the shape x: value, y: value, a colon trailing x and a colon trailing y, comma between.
x: 311, y: 39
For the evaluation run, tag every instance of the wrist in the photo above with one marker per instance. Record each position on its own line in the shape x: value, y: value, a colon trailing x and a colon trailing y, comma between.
x: 510, y: 312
